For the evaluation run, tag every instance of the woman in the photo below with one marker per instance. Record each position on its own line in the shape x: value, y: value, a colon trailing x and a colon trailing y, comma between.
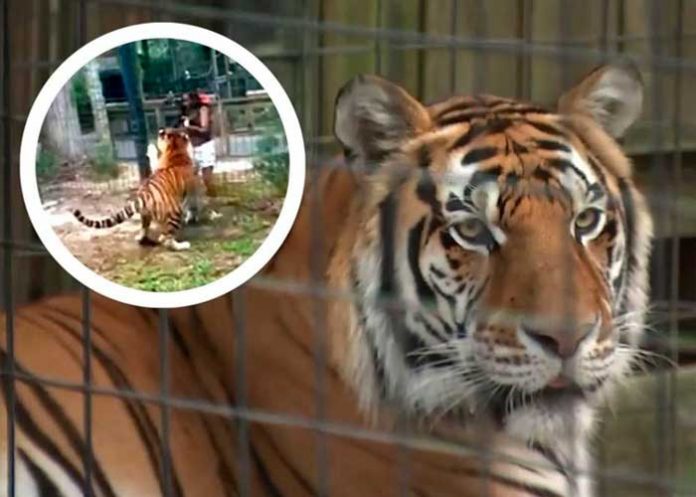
x: 196, y: 117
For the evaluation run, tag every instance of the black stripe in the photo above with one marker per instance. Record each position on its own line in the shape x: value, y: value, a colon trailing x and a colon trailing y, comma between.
x: 594, y: 192
x: 479, y: 155
x: 32, y: 430
x: 447, y: 243
x: 518, y: 201
x: 387, y: 225
x: 527, y: 488
x: 551, y: 456
x: 380, y: 372
x: 224, y: 471
x: 435, y: 223
x: 542, y: 174
x: 629, y: 210
x: 449, y: 298
x: 137, y: 411
x: 474, y: 131
x: 486, y: 474
x: 69, y: 430
x: 43, y: 483
x: 475, y: 297
x: 611, y: 228
x: 563, y: 165
x: 271, y: 489
x: 481, y: 177
x: 424, y: 158
x: 517, y: 148
x: 513, y: 108
x: 546, y: 128
x: 108, y: 222
x: 465, y: 104
x: 288, y: 465
x: 552, y: 145
x: 598, y: 170
x: 461, y: 117
x: 462, y: 113
x: 454, y: 203
x: 504, y: 200
x: 178, y: 339
x: 461, y: 287
x: 414, y: 344
x: 73, y: 435
x: 437, y: 272
x: 425, y: 293
x: 146, y: 428
x: 427, y: 192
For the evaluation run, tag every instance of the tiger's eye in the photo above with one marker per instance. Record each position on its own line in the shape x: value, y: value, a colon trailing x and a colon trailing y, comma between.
x: 587, y: 219
x: 471, y: 228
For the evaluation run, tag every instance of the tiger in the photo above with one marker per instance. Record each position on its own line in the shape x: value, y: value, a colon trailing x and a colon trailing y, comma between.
x: 457, y: 297
x: 196, y: 206
x: 161, y: 196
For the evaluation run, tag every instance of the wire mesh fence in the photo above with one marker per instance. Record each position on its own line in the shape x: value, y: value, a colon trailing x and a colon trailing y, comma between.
x: 528, y: 49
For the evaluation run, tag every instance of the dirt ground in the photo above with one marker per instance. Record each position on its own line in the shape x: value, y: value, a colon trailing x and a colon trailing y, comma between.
x: 249, y: 208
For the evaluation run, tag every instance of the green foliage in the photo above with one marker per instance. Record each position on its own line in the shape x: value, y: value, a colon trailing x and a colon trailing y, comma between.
x: 104, y: 164
x: 153, y: 278
x: 172, y: 65
x: 46, y: 163
x: 272, y: 160
x: 244, y: 246
x: 80, y: 95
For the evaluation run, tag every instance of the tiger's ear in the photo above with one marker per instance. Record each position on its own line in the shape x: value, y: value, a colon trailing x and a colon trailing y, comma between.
x: 612, y: 95
x: 374, y: 117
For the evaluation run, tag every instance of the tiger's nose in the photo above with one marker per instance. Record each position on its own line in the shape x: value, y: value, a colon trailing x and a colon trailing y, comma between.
x: 561, y: 343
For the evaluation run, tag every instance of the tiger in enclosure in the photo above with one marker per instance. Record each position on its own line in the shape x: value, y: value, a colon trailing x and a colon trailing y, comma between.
x: 162, y: 196
x: 475, y: 280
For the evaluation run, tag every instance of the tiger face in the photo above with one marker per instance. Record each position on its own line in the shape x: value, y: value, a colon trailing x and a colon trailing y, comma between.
x: 500, y: 261
x: 172, y: 141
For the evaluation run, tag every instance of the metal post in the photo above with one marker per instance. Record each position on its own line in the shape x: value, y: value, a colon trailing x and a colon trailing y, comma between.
x: 131, y: 81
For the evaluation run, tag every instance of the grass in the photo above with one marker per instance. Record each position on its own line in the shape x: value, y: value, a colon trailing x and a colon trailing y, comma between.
x: 198, y: 271
x: 243, y: 247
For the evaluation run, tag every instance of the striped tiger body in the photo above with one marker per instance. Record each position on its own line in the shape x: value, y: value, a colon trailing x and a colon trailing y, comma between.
x: 131, y: 457
x: 161, y: 196
x: 431, y: 276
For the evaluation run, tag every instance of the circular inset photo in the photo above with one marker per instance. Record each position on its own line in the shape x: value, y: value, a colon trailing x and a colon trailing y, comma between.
x: 162, y: 171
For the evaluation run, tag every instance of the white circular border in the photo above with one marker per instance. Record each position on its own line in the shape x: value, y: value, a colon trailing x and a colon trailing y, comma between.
x: 293, y: 135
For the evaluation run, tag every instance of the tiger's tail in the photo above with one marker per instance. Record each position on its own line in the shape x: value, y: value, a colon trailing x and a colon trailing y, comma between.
x: 127, y: 212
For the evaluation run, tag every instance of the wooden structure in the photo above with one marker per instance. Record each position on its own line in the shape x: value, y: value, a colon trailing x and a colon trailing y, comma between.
x: 238, y: 122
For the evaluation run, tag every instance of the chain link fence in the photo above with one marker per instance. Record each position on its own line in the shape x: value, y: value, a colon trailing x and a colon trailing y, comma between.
x: 530, y: 49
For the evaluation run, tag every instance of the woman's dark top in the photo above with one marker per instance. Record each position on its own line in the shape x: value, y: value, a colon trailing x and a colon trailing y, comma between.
x: 200, y: 123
